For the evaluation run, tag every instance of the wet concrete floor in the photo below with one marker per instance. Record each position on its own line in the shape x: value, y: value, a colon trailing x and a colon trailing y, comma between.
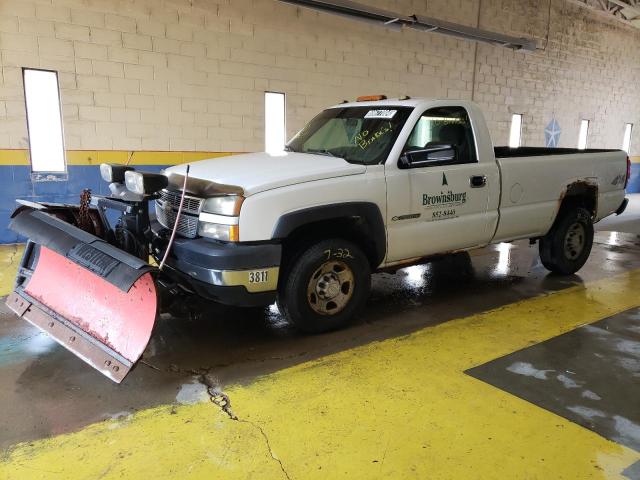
x: 47, y: 391
x: 589, y: 375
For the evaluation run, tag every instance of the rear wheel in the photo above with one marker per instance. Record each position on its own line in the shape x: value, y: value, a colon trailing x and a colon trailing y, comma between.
x: 566, y: 248
x: 326, y: 285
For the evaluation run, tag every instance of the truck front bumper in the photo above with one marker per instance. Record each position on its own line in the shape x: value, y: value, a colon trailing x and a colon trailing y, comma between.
x: 229, y: 273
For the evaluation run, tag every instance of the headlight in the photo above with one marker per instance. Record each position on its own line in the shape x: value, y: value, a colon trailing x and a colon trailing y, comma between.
x: 113, y: 173
x: 228, y: 205
x: 227, y: 233
x: 144, y: 183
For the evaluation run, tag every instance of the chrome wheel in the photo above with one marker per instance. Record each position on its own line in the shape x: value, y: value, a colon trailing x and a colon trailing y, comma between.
x: 330, y: 288
x: 574, y: 241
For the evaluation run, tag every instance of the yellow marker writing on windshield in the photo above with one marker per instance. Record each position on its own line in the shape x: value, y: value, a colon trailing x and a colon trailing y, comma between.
x: 365, y: 139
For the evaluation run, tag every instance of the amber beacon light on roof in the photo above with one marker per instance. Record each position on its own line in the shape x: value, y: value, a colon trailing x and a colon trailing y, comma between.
x: 371, y: 98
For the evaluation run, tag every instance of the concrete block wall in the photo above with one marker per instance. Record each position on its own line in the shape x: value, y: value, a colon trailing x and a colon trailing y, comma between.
x: 588, y: 69
x: 190, y: 75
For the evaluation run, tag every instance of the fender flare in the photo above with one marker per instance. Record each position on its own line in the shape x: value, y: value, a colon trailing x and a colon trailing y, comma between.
x: 368, y: 212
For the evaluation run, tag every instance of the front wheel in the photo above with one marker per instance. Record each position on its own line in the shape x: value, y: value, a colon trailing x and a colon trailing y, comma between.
x: 326, y: 286
x: 566, y: 248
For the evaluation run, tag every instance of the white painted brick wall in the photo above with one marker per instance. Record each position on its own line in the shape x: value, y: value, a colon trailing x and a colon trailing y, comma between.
x: 190, y: 74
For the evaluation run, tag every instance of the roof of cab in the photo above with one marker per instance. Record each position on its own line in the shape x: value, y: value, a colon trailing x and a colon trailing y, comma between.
x: 390, y: 102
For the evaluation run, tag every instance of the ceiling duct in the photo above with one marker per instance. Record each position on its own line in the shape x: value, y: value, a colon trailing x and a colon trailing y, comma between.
x: 357, y: 11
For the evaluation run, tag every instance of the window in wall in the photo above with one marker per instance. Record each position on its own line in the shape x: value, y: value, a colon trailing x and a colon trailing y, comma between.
x: 44, y: 121
x: 584, y: 133
x: 274, y: 122
x: 515, y: 136
x: 626, y: 141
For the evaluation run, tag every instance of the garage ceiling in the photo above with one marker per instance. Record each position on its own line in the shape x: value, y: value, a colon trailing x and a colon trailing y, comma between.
x: 626, y: 10
x: 395, y: 20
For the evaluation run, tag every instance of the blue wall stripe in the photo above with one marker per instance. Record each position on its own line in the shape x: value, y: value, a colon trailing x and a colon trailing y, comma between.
x: 15, y: 182
x: 634, y: 180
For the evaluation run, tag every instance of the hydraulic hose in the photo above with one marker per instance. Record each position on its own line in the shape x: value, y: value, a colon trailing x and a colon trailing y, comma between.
x: 175, y: 225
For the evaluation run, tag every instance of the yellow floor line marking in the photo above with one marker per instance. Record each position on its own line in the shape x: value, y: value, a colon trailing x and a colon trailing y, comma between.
x: 10, y: 256
x: 399, y: 408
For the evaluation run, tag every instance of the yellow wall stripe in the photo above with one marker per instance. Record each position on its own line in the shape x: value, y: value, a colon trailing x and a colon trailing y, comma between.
x: 14, y: 157
x: 96, y: 157
x: 399, y: 408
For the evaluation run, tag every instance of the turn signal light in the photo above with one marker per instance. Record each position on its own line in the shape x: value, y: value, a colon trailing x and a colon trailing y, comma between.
x: 371, y: 98
x: 234, y: 233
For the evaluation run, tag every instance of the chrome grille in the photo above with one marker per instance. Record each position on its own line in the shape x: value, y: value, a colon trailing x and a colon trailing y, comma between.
x: 191, y: 204
x: 167, y: 210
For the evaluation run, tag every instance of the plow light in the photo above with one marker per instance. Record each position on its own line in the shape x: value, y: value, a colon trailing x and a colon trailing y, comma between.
x: 113, y: 173
x: 144, y: 183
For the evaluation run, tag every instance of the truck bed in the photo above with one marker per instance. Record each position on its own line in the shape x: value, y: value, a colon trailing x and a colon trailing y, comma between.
x: 534, y: 180
x: 508, y: 152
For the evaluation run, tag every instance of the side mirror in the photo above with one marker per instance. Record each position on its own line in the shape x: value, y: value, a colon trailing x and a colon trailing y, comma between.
x: 432, y: 154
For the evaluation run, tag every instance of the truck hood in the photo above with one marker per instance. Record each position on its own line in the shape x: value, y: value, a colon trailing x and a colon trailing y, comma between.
x: 253, y: 173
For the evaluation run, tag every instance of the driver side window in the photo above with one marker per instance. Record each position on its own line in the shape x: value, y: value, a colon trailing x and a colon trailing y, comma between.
x: 439, y: 127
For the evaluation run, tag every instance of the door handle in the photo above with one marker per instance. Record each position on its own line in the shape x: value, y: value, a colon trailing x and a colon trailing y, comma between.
x: 478, y: 181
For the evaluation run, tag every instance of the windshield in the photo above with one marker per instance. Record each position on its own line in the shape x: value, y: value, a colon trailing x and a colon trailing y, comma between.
x: 357, y: 134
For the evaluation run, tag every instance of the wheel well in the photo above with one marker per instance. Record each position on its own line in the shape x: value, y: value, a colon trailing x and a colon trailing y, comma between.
x: 580, y: 194
x: 354, y: 229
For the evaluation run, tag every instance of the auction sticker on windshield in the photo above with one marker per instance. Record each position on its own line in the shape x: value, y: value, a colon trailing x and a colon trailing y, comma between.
x: 381, y: 114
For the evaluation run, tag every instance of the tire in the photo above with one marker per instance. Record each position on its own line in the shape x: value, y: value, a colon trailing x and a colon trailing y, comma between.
x: 566, y: 248
x: 325, y: 286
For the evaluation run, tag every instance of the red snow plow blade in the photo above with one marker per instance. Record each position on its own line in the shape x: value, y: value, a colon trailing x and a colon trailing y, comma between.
x: 94, y: 299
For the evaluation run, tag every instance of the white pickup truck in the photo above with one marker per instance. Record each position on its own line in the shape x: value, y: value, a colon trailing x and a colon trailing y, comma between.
x: 365, y: 186
x: 377, y: 184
